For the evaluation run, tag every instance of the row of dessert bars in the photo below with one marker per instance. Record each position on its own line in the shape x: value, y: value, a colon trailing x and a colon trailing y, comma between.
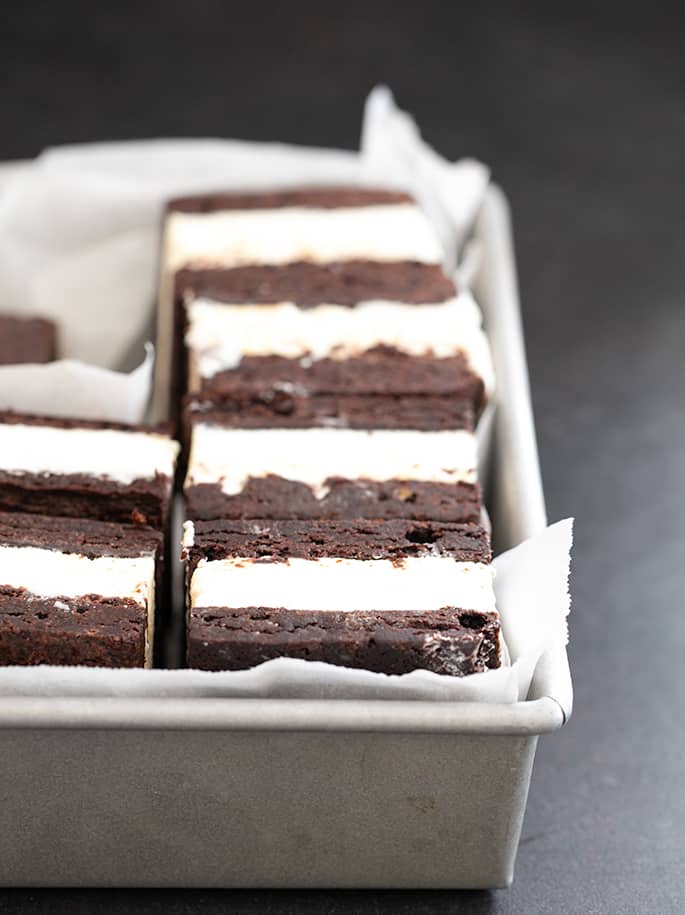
x: 84, y: 512
x: 327, y: 377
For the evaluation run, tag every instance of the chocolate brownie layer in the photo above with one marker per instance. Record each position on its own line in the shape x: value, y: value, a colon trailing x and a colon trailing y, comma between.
x: 289, y: 408
x: 70, y: 535
x: 60, y: 630
x: 382, y: 381
x: 11, y: 417
x: 143, y: 502
x: 395, y: 540
x: 26, y: 340
x: 104, y: 471
x: 449, y: 641
x: 307, y: 284
x: 319, y: 197
x: 77, y: 591
x: 275, y: 497
x: 382, y: 370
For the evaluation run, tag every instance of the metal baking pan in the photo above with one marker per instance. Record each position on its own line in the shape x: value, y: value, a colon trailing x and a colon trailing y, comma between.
x: 297, y: 793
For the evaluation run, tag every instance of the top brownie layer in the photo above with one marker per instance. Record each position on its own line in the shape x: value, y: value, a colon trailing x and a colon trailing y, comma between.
x: 85, y: 537
x: 308, y: 284
x: 319, y: 197
x: 394, y: 540
x: 24, y: 340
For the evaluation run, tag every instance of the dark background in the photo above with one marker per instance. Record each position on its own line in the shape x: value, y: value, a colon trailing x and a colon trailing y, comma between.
x: 581, y: 115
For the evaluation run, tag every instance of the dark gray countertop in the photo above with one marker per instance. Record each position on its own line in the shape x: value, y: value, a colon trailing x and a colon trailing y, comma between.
x: 582, y: 118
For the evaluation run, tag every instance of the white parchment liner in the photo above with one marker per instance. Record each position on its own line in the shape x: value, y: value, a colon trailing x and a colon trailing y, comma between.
x: 79, y: 235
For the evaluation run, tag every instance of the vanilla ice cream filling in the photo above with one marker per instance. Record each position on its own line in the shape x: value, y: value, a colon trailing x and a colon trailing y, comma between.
x: 230, y: 457
x: 109, y: 453
x: 219, y: 335
x: 49, y: 573
x: 330, y: 584
x: 52, y: 574
x: 232, y: 238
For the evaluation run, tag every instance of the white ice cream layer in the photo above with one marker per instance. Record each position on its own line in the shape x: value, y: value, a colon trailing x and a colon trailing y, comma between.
x: 48, y: 573
x: 332, y: 584
x: 231, y: 238
x: 230, y: 457
x: 108, y: 453
x: 219, y: 335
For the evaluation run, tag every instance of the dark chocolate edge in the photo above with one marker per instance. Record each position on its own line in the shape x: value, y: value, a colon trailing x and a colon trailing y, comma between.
x: 324, y: 197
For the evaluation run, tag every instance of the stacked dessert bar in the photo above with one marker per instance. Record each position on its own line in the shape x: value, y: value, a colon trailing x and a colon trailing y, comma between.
x: 332, y: 377
x: 83, y: 513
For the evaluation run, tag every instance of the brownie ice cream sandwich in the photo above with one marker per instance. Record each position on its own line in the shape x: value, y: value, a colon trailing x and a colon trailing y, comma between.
x: 77, y: 591
x: 27, y: 340
x: 335, y: 458
x: 81, y: 469
x: 386, y: 596
x: 376, y: 343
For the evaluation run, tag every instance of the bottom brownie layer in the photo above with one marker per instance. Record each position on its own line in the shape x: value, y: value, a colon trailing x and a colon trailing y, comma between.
x: 95, y: 632
x: 382, y: 370
x: 449, y: 641
x: 142, y: 502
x: 274, y: 497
